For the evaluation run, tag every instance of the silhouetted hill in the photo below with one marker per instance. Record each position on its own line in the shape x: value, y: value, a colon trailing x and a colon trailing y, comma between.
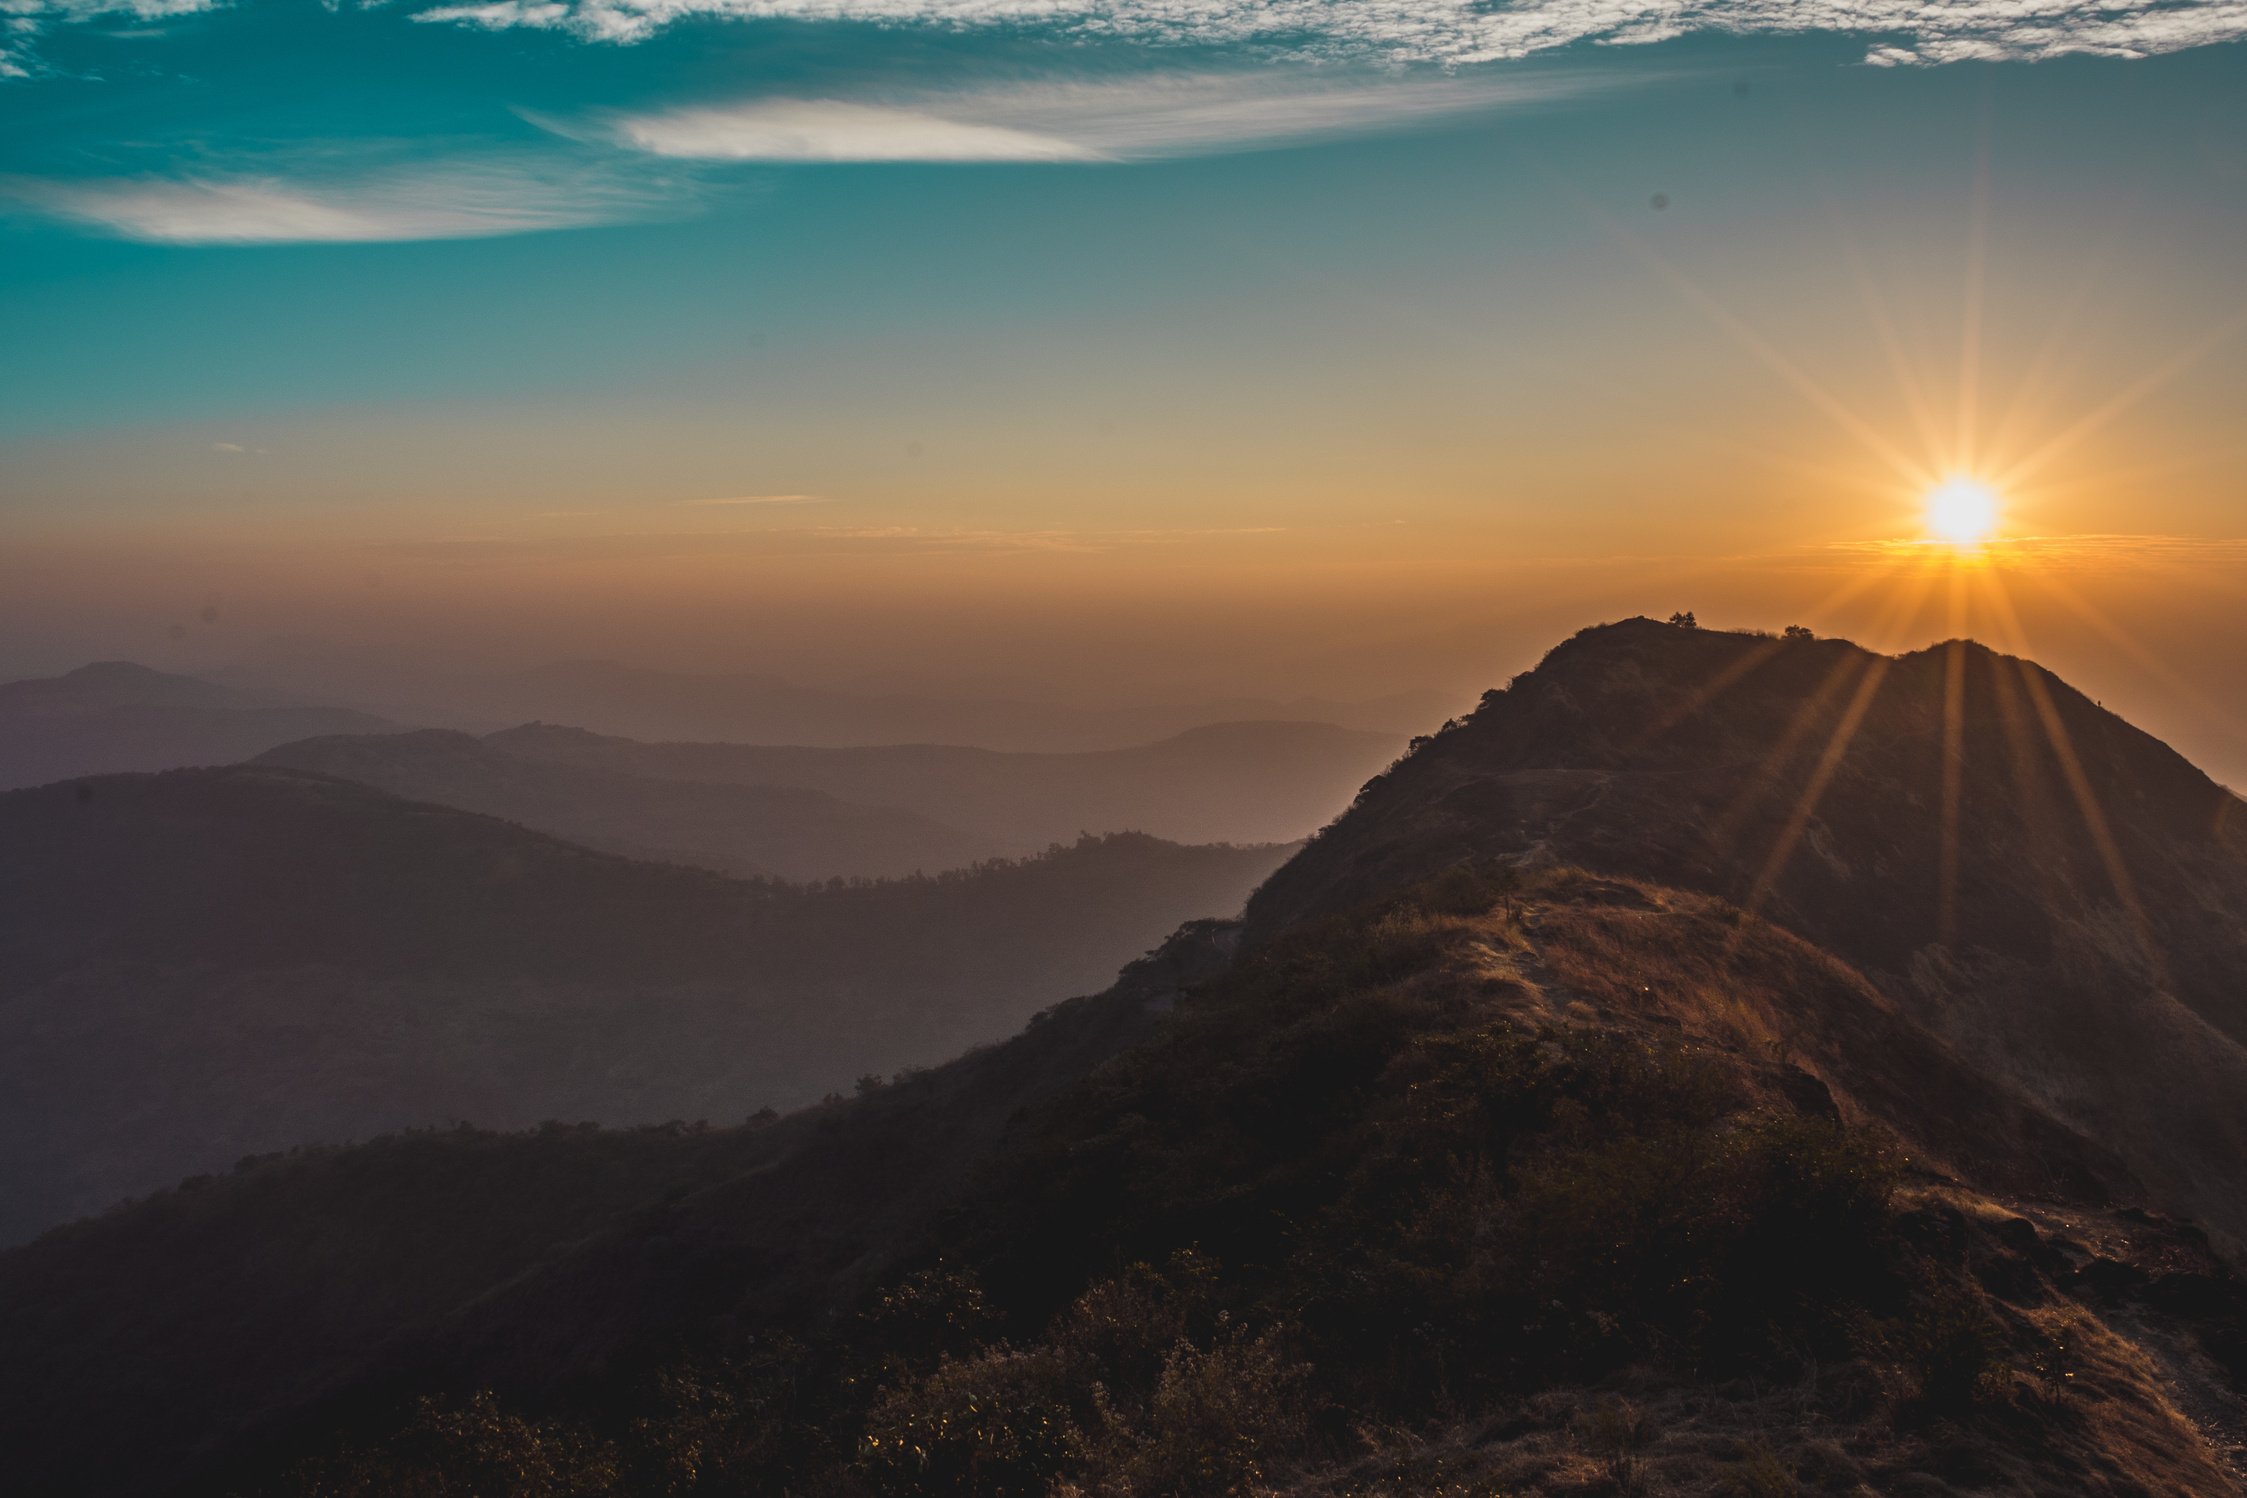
x: 1474, y: 1170
x: 1228, y: 782
x: 202, y: 964
x: 779, y: 831
x: 612, y: 698
x: 114, y: 715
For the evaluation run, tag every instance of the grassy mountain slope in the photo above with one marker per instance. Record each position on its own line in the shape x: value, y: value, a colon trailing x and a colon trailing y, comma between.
x: 777, y: 831
x: 2078, y: 931
x: 204, y: 964
x: 1229, y: 782
x: 114, y: 715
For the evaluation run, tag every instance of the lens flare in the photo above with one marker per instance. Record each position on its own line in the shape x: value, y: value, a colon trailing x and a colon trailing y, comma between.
x: 1962, y: 512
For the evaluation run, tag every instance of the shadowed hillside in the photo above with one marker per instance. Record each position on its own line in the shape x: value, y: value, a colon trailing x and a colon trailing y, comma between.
x: 1443, y: 1192
x: 203, y: 964
x: 114, y: 715
x: 776, y: 831
x: 1482, y: 1163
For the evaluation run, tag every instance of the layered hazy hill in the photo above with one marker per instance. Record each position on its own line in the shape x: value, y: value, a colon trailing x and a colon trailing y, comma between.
x: 203, y: 964
x: 1674, y: 1078
x: 1225, y: 782
x: 774, y: 830
x: 610, y: 697
x: 114, y: 715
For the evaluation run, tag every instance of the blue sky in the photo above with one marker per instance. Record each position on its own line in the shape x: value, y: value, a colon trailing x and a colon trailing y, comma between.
x: 746, y: 316
x: 186, y: 187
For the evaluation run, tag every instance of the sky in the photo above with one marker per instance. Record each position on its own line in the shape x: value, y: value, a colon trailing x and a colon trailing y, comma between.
x: 1135, y: 349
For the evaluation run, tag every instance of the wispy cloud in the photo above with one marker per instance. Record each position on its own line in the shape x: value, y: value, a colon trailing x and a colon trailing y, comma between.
x: 934, y: 541
x: 1121, y: 119
x: 457, y: 201
x: 1458, y: 31
x: 760, y: 499
x: 21, y: 22
x: 835, y: 130
x: 1450, y: 32
x: 2105, y: 553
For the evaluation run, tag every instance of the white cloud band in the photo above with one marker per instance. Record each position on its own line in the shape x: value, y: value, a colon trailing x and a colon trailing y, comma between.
x: 1459, y: 31
x: 1124, y: 119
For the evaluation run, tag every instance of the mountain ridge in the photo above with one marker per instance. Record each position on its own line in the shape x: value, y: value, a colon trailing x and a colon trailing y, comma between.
x: 2084, y: 938
x: 113, y: 716
x: 784, y: 832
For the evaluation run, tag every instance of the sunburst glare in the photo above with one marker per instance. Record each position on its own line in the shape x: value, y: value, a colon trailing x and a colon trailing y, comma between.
x: 1962, y: 512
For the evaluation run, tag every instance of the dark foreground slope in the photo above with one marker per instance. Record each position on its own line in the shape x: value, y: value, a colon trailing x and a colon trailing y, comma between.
x: 754, y: 830
x: 1508, y: 1178
x: 1544, y: 1184
x: 2059, y: 896
x: 114, y: 715
x: 1227, y: 782
x: 204, y: 964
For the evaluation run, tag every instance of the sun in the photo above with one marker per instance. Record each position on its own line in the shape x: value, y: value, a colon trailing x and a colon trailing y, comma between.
x: 1962, y: 512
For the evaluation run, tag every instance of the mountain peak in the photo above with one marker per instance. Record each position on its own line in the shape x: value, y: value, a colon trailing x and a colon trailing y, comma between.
x: 2042, y: 883
x: 116, y: 683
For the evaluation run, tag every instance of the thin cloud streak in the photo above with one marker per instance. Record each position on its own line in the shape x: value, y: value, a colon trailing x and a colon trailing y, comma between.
x: 797, y: 541
x: 468, y: 201
x: 1125, y: 119
x: 2104, y: 552
x: 761, y: 499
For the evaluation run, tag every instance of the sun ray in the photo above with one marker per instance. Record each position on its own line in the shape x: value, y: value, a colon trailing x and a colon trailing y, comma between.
x: 1814, y: 789
x: 2144, y: 659
x: 2079, y: 786
x: 1964, y: 456
x: 2146, y: 385
x: 1884, y: 332
x: 2060, y: 327
x: 1709, y: 690
x: 2031, y: 794
x: 1953, y: 768
x: 1744, y: 334
x: 1837, y: 678
x: 1759, y: 784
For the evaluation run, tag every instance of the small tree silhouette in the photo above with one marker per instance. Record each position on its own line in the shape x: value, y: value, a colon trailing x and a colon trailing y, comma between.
x: 1684, y: 619
x: 1798, y: 632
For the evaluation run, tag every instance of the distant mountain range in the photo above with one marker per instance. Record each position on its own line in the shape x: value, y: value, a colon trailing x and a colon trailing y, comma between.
x: 204, y: 964
x: 791, y: 812
x: 1227, y: 782
x: 114, y: 715
x: 1719, y: 1064
x: 769, y: 830
x: 612, y: 698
